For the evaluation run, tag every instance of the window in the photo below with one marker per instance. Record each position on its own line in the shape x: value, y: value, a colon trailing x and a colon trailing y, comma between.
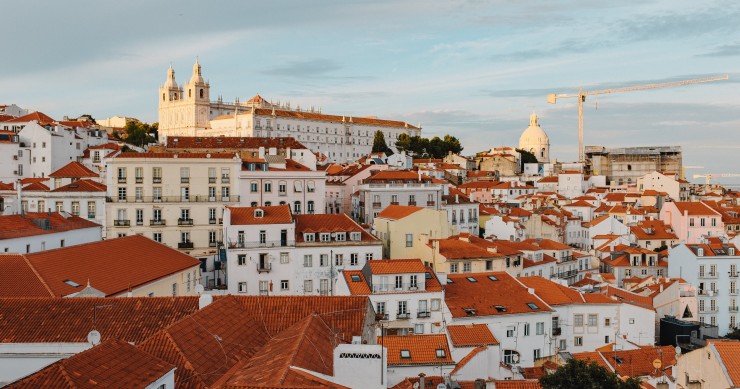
x: 540, y: 328
x: 607, y: 322
x: 284, y: 258
x: 592, y: 320
x: 309, y: 236
x: 537, y: 354
x: 511, y: 357
x: 241, y: 259
x: 282, y: 188
x: 413, y: 281
x: 578, y: 320
x: 283, y: 285
x: 139, y: 216
x: 212, y: 238
x: 242, y: 287
x: 324, y: 260
x: 157, y: 237
x: 308, y: 260
x: 402, y: 308
x: 268, y: 186
x: 453, y: 268
x: 419, y: 329
x: 264, y: 288
x: 368, y: 256
x: 435, y: 304
x: 440, y: 352
x: 184, y: 193
x: 324, y: 237
x: 578, y: 341
x: 380, y: 307
x: 253, y: 187
x: 76, y: 208
x: 533, y: 306
x: 354, y: 259
x: 157, y: 174
x: 489, y: 265
x: 510, y: 331
x: 409, y: 240
x: 157, y: 193
x: 338, y: 259
x: 467, y: 268
x: 297, y: 207
x: 405, y: 354
x: 399, y: 282
x: 307, y: 286
x: 526, y: 329
x: 122, y: 194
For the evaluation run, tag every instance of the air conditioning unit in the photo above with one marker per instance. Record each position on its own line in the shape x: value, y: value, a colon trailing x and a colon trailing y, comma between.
x: 15, y: 158
x: 15, y: 172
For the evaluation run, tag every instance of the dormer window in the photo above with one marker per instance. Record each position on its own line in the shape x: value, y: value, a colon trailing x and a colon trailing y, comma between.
x: 258, y: 213
x: 700, y: 252
x: 405, y: 354
x: 355, y: 236
x: 324, y: 237
x: 441, y: 353
x: 309, y: 237
x: 341, y: 236
x: 731, y: 251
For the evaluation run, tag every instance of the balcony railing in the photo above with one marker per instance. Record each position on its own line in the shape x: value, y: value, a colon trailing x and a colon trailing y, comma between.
x: 157, y: 180
x: 734, y: 291
x: 212, y: 244
x: 121, y: 223
x: 184, y: 222
x: 376, y: 205
x: 412, y: 203
x: 557, y: 331
x: 225, y: 180
x: 121, y: 180
x: 733, y: 309
x: 394, y: 202
x: 707, y: 292
x: 139, y: 180
x: 567, y: 258
x: 258, y: 244
x: 157, y: 222
x: 733, y: 275
x: 264, y: 268
x: 211, y: 221
x: 393, y: 288
x: 403, y: 315
x: 184, y: 180
x: 211, y: 180
x: 423, y: 314
x: 687, y: 293
x: 172, y: 199
x: 712, y: 275
x: 185, y: 245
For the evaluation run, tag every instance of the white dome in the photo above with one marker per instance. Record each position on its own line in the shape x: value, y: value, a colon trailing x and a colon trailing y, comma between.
x: 535, y: 140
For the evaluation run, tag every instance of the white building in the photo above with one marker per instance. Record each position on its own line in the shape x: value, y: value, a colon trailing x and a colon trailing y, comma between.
x: 188, y: 111
x: 39, y: 231
x: 407, y: 295
x: 272, y: 252
x: 712, y: 267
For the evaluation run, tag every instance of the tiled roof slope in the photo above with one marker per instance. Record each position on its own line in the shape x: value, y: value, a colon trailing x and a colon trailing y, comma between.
x: 69, y: 320
x: 729, y: 353
x: 397, y: 212
x: 124, y: 366
x: 555, y: 294
x: 73, y: 169
x: 396, y: 266
x: 308, y: 344
x: 82, y: 186
x: 471, y: 335
x: 19, y: 279
x: 423, y: 349
x: 19, y: 226
x: 276, y: 214
x: 132, y: 154
x: 229, y: 142
x: 332, y: 118
x: 329, y: 223
x: 480, y: 298
x: 40, y: 117
x: 112, y: 266
x: 694, y: 208
x: 357, y: 288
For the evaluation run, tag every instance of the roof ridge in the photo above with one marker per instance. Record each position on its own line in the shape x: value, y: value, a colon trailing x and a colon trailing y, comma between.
x: 64, y: 373
x: 36, y: 273
x: 464, y: 361
x: 179, y: 351
x: 302, y: 338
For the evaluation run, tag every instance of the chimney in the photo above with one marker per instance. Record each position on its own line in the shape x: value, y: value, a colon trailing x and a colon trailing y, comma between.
x: 422, y: 384
x: 261, y: 152
x: 20, y: 196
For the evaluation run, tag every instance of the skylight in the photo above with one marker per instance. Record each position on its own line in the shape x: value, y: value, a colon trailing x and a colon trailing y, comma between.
x: 355, y: 278
x: 492, y: 278
x: 500, y: 308
x: 406, y: 354
x: 471, y: 279
x: 533, y: 306
x: 72, y: 283
x: 428, y: 275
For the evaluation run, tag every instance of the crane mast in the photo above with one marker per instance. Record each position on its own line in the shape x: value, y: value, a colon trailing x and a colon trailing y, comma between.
x: 581, y: 96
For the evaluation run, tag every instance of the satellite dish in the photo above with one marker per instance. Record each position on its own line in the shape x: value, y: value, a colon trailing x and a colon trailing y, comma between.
x: 93, y: 337
x: 515, y: 358
x: 199, y: 289
x: 678, y: 350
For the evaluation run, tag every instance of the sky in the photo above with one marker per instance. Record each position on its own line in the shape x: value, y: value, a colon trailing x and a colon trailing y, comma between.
x: 474, y: 69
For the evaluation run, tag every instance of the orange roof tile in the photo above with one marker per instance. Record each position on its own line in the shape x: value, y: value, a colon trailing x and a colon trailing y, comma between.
x: 333, y: 118
x: 73, y: 169
x: 330, y: 223
x: 112, y: 266
x: 482, y: 297
x: 555, y: 294
x: 227, y: 142
x: 729, y: 354
x: 397, y: 212
x: 8, y: 186
x: 633, y: 363
x: 69, y: 320
x: 422, y: 349
x: 131, y: 154
x: 396, y: 266
x: 124, y: 366
x: 276, y: 214
x: 694, y: 208
x: 82, y: 186
x: 397, y: 176
x: 471, y: 335
x: 628, y: 297
x: 36, y: 187
x: 517, y: 384
x: 40, y: 117
x: 31, y: 224
x: 360, y: 287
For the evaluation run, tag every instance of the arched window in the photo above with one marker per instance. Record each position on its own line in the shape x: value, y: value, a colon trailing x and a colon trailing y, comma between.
x: 201, y: 93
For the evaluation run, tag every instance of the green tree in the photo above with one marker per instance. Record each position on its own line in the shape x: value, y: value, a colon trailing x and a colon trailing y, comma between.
x: 379, y: 145
x: 582, y: 375
x: 403, y: 143
x: 734, y: 334
x: 527, y: 157
x: 138, y: 134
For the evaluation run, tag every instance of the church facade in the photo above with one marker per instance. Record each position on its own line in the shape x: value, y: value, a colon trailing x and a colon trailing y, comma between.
x: 535, y: 140
x: 188, y: 111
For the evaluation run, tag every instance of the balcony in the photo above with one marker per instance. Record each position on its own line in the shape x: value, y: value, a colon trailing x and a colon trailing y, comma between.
x: 423, y: 314
x: 225, y: 180
x: 733, y: 275
x: 220, y: 221
x: 171, y: 199
x: 557, y: 331
x: 91, y: 216
x: 712, y: 275
x: 734, y: 291
x: 212, y: 244
x: 403, y: 316
x: 264, y: 268
x: 412, y: 203
x: 381, y: 316
x: 184, y: 222
x: 211, y: 180
x: 139, y: 180
x: 157, y: 222
x: 185, y: 245
x: 567, y: 258
x: 139, y: 222
x: 121, y: 180
x: 394, y: 202
x: 184, y: 180
x: 376, y: 205
x: 733, y: 309
x: 156, y: 180
x: 211, y: 221
x: 430, y: 203
x: 687, y: 293
x: 393, y: 288
x: 258, y: 244
x: 709, y: 293
x: 121, y: 223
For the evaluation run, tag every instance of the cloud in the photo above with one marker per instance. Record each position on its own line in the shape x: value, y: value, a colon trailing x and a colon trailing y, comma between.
x: 304, y: 69
x: 729, y: 50
x: 693, y: 23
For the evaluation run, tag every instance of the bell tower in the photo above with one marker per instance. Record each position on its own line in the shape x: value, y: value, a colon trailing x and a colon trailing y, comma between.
x: 170, y: 99
x: 198, y: 99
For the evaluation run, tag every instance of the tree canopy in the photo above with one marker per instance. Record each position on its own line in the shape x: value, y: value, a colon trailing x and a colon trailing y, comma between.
x: 139, y: 134
x: 526, y: 157
x: 580, y: 374
x: 434, y: 148
x: 379, y: 145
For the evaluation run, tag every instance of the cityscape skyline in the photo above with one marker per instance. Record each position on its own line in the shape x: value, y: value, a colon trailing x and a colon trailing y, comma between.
x: 475, y: 70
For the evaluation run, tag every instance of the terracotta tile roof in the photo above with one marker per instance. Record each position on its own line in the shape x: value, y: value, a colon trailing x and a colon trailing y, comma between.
x: 555, y: 294
x: 69, y: 320
x: 628, y: 297
x: 464, y: 361
x: 430, y: 382
x: 40, y: 117
x: 276, y: 214
x: 618, y: 197
x: 131, y: 154
x: 551, y: 179
x: 36, y: 187
x: 396, y: 266
x: 596, y: 221
x: 580, y: 203
x: 229, y: 142
x: 652, y: 229
x: 330, y: 223
x: 548, y: 244
x: 480, y: 298
x: 397, y: 212
x: 82, y: 186
x: 73, y: 169
x: 356, y: 288
x: 694, y: 208
x: 112, y: 266
x: 422, y: 349
x: 333, y: 118
x: 290, y: 165
x: 397, y: 175
x: 517, y: 384
x: 32, y: 224
x: 452, y: 248
x: 19, y: 272
x: 308, y: 344
x: 123, y: 365
x: 633, y: 363
x: 729, y: 354
x: 29, y: 180
x: 471, y: 335
x: 9, y: 186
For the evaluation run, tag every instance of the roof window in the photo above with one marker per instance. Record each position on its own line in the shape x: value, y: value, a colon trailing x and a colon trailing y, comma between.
x: 72, y: 283
x: 470, y: 311
x: 500, y: 308
x: 471, y: 279
x: 441, y: 353
x: 533, y: 306
x: 355, y: 278
x: 406, y: 354
x: 492, y: 278
x: 258, y: 213
x: 428, y: 275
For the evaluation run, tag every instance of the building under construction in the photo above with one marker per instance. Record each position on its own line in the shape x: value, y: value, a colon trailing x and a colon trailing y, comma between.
x: 623, y: 165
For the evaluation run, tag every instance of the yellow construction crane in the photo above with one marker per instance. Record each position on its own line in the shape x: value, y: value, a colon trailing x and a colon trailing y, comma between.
x: 708, y: 177
x: 581, y: 96
x: 683, y: 170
